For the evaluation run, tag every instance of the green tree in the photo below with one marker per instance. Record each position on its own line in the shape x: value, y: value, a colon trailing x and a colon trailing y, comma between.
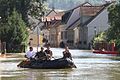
x: 101, y: 37
x: 25, y: 7
x: 37, y: 8
x: 113, y: 33
x: 14, y: 32
x: 14, y: 18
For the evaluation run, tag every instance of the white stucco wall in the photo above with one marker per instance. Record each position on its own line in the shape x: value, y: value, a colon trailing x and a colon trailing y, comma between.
x: 76, y: 35
x: 62, y: 30
x: 46, y: 33
x: 70, y: 35
x: 101, y: 24
x: 52, y: 14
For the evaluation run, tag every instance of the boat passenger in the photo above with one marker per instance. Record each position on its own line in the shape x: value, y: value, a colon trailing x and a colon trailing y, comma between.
x: 48, y: 53
x: 41, y: 55
x: 66, y: 53
x: 30, y: 54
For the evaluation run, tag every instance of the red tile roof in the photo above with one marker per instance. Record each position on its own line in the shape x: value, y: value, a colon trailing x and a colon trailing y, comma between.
x: 58, y: 16
x: 90, y: 10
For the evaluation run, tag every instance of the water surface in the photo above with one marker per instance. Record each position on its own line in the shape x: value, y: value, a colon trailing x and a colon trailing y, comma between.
x: 89, y: 67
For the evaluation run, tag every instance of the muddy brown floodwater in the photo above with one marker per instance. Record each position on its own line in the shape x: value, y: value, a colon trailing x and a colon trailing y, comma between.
x: 89, y: 67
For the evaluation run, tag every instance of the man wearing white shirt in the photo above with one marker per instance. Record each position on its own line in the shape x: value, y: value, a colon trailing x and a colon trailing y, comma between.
x: 30, y: 54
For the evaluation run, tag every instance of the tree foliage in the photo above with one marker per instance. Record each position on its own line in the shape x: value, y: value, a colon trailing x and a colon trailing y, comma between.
x: 113, y: 33
x: 25, y: 7
x: 37, y: 8
x: 14, y: 18
x: 14, y: 32
x: 101, y: 37
x: 114, y: 20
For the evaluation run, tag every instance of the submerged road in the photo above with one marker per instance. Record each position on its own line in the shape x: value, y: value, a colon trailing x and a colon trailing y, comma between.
x: 90, y: 66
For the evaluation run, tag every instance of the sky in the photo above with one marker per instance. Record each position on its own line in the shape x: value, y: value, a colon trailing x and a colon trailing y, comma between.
x: 69, y: 4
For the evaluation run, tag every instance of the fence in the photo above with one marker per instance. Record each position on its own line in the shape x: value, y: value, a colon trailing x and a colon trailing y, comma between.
x: 104, y: 45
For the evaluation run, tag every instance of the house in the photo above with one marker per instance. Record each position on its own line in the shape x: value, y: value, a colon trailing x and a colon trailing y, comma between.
x: 35, y: 33
x: 52, y: 27
x: 82, y: 23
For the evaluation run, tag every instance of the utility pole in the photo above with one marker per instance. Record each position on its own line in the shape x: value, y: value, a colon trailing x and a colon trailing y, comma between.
x: 38, y: 39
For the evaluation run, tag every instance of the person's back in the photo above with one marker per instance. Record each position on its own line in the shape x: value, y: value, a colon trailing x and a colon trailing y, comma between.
x: 30, y: 54
x: 66, y: 53
x: 49, y: 53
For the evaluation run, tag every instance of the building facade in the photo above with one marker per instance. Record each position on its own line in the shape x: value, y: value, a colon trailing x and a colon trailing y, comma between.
x: 76, y: 27
x: 52, y: 28
x: 83, y: 23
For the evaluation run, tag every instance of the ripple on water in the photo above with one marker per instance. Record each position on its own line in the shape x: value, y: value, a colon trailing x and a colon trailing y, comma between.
x: 89, y: 67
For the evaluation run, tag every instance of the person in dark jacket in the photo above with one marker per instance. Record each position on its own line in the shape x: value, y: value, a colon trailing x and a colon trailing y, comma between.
x: 49, y: 53
x: 41, y: 55
x: 66, y: 53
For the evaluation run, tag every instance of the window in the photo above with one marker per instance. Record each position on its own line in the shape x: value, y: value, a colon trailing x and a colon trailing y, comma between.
x: 65, y: 32
x: 61, y: 35
x: 64, y: 35
x: 80, y: 42
x: 85, y: 42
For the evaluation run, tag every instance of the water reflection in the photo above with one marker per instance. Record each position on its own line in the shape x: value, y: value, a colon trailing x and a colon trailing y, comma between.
x: 89, y: 67
x: 56, y: 74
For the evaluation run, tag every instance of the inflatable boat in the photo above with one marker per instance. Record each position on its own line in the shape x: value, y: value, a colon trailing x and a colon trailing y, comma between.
x: 48, y: 64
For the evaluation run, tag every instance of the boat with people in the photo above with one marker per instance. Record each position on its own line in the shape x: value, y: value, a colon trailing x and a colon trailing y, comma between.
x: 43, y: 60
x: 60, y: 63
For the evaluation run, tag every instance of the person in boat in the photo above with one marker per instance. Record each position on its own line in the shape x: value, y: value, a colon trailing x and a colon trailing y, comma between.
x: 66, y: 53
x: 48, y: 53
x: 30, y: 54
x: 41, y: 55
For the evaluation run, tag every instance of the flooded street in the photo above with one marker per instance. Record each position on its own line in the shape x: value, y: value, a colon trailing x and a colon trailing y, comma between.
x: 90, y: 66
